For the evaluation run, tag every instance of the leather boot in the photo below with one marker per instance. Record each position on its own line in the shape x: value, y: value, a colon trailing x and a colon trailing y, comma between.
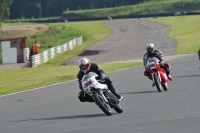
x: 119, y: 96
x: 170, y: 77
x: 113, y: 90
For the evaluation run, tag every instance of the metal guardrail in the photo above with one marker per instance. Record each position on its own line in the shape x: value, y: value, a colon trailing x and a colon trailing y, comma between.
x: 52, y: 52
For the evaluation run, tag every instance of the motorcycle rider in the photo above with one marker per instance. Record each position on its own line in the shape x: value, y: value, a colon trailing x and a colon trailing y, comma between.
x: 151, y: 52
x: 85, y: 67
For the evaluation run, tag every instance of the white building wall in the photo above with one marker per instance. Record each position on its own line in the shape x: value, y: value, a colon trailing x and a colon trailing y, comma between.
x: 26, y: 55
x: 9, y: 55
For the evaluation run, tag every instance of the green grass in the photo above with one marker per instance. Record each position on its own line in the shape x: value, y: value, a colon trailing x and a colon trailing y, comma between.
x: 15, y: 80
x: 60, y: 33
x: 185, y: 30
x: 92, y: 32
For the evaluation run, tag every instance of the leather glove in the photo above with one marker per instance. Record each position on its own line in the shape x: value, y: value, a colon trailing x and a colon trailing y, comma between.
x: 102, y: 79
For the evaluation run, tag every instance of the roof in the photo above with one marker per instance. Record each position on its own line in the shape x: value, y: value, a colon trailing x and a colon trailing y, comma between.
x: 14, y: 39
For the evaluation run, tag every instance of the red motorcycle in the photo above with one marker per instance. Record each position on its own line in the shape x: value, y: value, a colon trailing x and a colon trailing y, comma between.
x: 158, y: 74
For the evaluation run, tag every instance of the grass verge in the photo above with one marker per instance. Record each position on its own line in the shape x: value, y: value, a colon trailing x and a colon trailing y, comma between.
x: 185, y: 30
x: 15, y: 80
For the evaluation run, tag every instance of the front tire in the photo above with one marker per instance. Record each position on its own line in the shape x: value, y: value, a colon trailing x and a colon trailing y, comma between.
x: 105, y: 107
x: 157, y: 83
x: 165, y: 86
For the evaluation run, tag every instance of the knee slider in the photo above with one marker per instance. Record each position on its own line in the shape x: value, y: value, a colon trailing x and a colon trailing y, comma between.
x: 81, y: 99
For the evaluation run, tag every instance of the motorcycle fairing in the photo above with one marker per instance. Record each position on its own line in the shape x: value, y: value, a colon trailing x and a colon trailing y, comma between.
x: 154, y: 68
x: 89, y: 81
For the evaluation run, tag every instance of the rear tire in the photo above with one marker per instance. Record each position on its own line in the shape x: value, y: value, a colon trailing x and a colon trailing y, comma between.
x: 105, y: 107
x: 157, y: 83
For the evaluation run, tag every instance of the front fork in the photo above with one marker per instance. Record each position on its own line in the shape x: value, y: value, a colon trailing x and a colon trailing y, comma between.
x: 104, y: 97
x: 158, y: 73
x: 112, y: 101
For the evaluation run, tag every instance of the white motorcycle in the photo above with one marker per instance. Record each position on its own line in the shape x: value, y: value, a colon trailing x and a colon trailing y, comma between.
x: 103, y: 97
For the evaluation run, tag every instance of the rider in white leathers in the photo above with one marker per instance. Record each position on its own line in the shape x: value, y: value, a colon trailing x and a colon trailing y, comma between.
x: 86, y: 67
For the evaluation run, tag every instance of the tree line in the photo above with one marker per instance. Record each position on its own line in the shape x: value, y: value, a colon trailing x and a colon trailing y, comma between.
x: 51, y: 8
x: 4, y: 9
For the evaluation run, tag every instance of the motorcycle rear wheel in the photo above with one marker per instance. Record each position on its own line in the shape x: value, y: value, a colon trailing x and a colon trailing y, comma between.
x: 157, y: 83
x: 105, y: 107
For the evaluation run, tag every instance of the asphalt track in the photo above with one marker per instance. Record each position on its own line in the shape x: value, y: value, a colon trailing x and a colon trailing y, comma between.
x: 56, y: 109
x: 128, y: 42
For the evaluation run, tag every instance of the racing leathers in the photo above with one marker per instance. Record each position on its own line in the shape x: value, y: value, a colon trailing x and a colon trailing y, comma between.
x: 159, y: 55
x: 97, y: 69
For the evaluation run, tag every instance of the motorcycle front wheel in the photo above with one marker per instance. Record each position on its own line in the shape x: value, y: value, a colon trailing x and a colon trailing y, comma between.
x: 164, y: 85
x: 157, y: 83
x: 114, y: 103
x: 118, y: 108
x: 105, y: 107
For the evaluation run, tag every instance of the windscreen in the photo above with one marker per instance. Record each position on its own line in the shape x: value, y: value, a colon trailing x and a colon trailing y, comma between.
x: 152, y: 60
x: 88, y: 76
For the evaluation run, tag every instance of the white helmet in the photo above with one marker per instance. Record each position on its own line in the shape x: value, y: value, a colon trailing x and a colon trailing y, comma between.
x: 150, y: 48
x: 84, y: 64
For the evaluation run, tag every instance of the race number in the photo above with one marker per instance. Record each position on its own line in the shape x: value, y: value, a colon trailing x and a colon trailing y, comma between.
x: 88, y: 83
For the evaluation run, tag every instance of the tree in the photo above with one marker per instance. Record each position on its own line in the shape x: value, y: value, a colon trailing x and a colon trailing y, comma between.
x: 4, y: 9
x: 54, y: 8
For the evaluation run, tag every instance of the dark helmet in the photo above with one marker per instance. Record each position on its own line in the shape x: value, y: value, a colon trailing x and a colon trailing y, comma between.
x: 84, y: 64
x: 150, y: 48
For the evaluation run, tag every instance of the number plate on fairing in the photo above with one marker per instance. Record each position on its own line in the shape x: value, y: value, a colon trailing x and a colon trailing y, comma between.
x: 88, y: 84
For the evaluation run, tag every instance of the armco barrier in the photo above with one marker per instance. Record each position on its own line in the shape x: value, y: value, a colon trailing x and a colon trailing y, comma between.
x: 52, y: 52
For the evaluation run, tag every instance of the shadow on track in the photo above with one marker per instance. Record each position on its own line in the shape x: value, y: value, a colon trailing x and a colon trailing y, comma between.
x: 140, y: 92
x: 64, y: 117
x: 90, y: 52
x: 186, y: 76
